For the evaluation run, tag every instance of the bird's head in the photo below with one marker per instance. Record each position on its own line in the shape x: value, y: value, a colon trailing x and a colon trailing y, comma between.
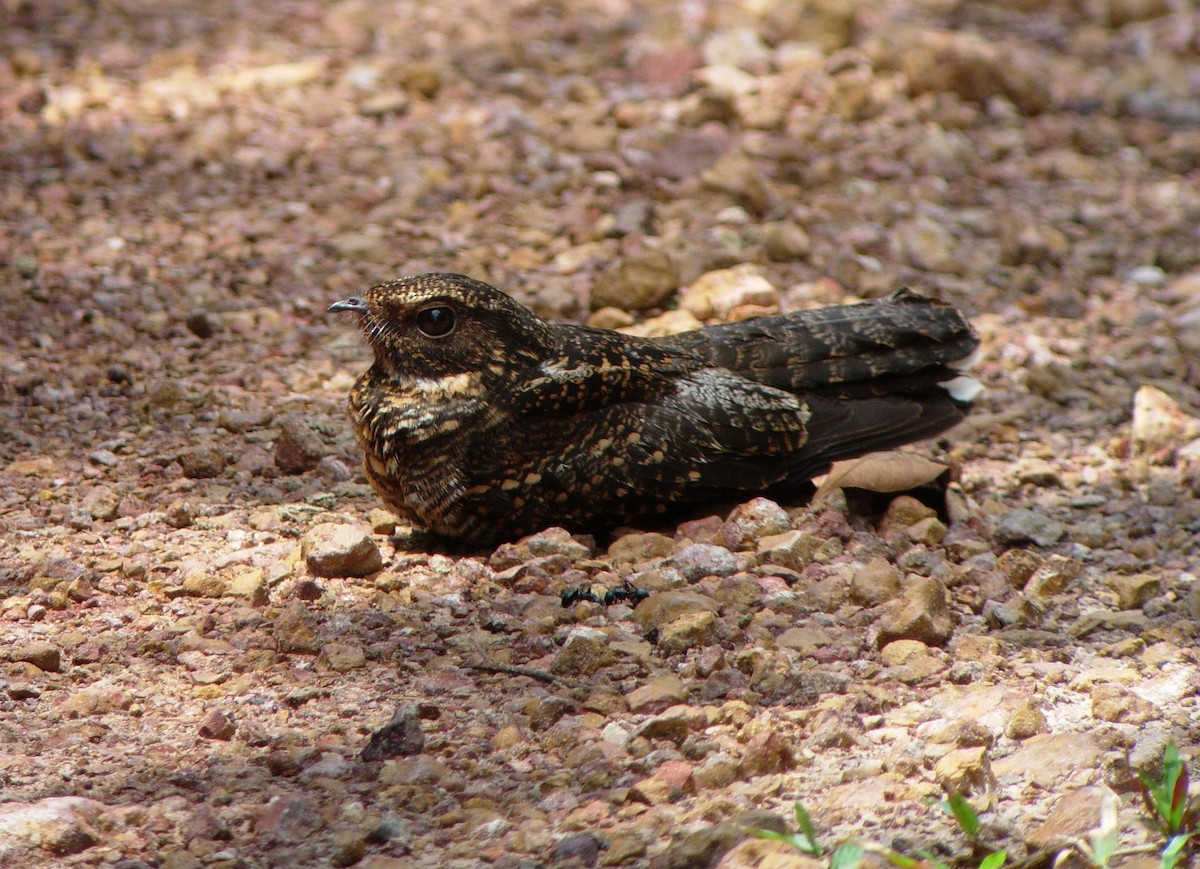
x: 435, y: 325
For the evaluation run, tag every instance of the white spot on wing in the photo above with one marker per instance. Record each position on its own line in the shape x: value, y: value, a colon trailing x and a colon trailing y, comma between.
x: 962, y: 388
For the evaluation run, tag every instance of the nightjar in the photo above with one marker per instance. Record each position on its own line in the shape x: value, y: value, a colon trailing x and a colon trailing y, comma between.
x: 481, y: 421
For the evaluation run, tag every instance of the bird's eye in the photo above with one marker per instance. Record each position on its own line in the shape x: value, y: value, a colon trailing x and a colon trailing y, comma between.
x: 436, y: 321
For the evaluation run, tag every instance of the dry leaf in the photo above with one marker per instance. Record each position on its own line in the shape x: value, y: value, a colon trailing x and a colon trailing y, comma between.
x: 892, y: 471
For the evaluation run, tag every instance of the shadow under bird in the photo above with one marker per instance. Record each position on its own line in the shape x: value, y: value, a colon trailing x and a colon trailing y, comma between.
x: 480, y: 421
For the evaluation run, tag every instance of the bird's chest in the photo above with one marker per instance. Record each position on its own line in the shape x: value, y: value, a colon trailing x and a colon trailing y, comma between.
x: 416, y: 436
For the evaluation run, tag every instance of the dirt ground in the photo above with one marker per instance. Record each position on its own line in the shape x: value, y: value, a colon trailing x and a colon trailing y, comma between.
x: 212, y: 652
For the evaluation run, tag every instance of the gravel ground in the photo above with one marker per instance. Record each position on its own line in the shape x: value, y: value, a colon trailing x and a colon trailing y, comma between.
x: 215, y: 655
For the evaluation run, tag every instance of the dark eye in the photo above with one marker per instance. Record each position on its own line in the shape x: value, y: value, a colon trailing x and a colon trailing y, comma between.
x: 436, y: 321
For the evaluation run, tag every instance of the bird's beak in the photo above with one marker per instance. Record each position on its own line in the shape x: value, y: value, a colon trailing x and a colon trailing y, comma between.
x: 353, y: 304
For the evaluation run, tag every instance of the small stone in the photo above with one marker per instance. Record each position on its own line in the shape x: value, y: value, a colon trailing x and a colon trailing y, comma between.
x: 292, y: 631
x: 784, y: 241
x: 792, y: 549
x: 874, y: 583
x: 201, y: 583
x: 217, y: 725
x: 1071, y: 819
x: 202, y: 462
x: 900, y: 652
x: 299, y: 448
x: 751, y: 521
x: 42, y: 655
x: 1032, y: 525
x: 1017, y: 566
x: 767, y: 753
x: 929, y: 532
x: 671, y: 783
x: 578, y: 849
x: 928, y: 245
x: 609, y: 318
x: 922, y: 613
x: 1159, y: 423
x: 1053, y: 577
x: 555, y: 541
x: 715, y: 294
x: 637, y: 283
x: 202, y: 324
x: 902, y: 512
x: 1049, y: 759
x: 179, y: 514
x: 688, y: 631
x: 1025, y: 720
x: 665, y: 607
x: 975, y: 69
x: 381, y: 521
x: 332, y: 549
x: 630, y: 549
x: 61, y: 826
x: 344, y: 657
x: 657, y: 694
x: 101, y: 503
x: 385, y: 103
x: 964, y: 771
x: 674, y: 725
x: 1133, y: 591
x: 251, y: 586
x: 699, y: 560
x: 585, y: 651
x: 399, y: 737
x: 1118, y: 704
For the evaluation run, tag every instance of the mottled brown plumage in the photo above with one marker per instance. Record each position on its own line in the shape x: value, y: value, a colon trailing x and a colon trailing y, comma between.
x: 481, y: 421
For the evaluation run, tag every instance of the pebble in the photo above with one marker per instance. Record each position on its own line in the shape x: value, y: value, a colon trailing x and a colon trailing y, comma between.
x: 202, y: 462
x: 921, y: 613
x: 293, y: 631
x: 1049, y: 759
x: 401, y: 736
x: 1133, y: 591
x: 748, y: 522
x: 1025, y: 720
x: 217, y: 725
x: 630, y: 549
x: 59, y: 826
x: 715, y: 294
x: 662, y: 608
x: 1054, y: 576
x: 768, y: 753
x: 1159, y: 423
x: 975, y: 69
x: 699, y: 560
x: 637, y: 283
x: 101, y: 503
x: 1027, y: 525
x: 1120, y: 705
x: 784, y: 241
x: 689, y: 631
x: 45, y: 656
x: 1073, y: 816
x: 179, y: 514
x: 333, y: 549
x: 928, y: 245
x: 299, y: 448
x: 874, y: 583
x: 965, y: 771
x: 585, y: 651
x: 657, y: 694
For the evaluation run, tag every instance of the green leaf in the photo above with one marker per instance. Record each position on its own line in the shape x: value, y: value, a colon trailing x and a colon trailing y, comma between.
x: 1171, y: 853
x: 994, y: 860
x: 964, y: 814
x: 846, y: 856
x: 804, y: 822
x: 759, y: 833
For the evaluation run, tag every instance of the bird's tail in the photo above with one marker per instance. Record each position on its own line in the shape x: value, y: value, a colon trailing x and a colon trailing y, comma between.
x: 902, y: 345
